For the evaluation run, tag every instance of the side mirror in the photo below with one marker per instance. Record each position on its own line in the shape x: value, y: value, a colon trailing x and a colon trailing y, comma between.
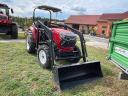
x: 12, y: 11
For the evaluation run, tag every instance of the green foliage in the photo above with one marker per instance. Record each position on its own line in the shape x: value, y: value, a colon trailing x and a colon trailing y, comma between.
x: 21, y: 36
x: 23, y: 22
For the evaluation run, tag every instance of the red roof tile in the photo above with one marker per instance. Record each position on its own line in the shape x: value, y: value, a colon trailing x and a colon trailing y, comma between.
x: 83, y: 19
x: 118, y: 16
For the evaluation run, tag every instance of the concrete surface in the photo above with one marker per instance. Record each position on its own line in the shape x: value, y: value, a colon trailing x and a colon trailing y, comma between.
x: 97, y: 42
x: 90, y: 40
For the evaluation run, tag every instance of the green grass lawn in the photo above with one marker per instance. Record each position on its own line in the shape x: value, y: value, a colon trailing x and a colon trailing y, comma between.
x: 20, y: 75
x: 21, y: 36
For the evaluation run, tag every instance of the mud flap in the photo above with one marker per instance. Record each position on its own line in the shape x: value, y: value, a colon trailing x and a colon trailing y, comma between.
x: 68, y: 76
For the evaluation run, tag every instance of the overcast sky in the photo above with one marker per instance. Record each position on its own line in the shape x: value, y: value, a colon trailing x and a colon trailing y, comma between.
x: 70, y: 7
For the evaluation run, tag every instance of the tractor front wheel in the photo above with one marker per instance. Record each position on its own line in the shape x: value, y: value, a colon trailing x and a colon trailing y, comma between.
x: 14, y: 34
x: 30, y: 45
x: 44, y: 57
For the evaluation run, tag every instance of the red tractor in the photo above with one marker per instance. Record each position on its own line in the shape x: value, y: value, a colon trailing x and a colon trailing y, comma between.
x: 7, y: 26
x: 54, y: 42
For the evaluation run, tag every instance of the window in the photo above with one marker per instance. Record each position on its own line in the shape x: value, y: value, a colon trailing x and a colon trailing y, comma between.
x: 4, y: 11
x: 104, y: 27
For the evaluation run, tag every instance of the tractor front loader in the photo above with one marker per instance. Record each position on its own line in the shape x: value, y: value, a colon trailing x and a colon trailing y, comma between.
x: 54, y: 42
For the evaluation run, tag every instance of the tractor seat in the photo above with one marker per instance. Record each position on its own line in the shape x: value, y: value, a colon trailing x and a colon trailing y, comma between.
x: 47, y: 23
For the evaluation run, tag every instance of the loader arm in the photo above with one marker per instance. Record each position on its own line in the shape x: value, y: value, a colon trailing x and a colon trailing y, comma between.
x: 82, y: 40
x: 49, y: 35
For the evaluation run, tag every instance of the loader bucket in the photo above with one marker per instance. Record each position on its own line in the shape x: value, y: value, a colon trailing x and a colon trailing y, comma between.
x: 68, y: 76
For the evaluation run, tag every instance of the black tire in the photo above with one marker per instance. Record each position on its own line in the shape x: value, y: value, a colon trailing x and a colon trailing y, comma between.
x: 44, y: 57
x: 123, y: 76
x: 30, y: 45
x: 14, y: 34
x: 78, y: 54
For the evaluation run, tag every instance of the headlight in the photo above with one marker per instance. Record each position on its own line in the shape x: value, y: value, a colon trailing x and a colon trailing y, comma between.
x: 62, y: 34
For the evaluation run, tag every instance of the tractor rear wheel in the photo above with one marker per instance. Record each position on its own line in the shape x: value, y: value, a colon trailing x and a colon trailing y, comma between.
x: 77, y: 55
x: 30, y: 45
x: 44, y: 57
x: 14, y: 34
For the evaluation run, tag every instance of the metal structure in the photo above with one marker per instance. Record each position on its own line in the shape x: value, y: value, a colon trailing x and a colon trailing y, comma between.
x: 118, y: 50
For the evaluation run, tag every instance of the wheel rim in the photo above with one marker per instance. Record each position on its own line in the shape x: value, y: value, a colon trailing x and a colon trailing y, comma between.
x: 27, y: 43
x: 42, y: 57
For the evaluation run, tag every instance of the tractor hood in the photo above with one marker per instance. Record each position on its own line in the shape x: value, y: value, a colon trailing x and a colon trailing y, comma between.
x: 2, y: 16
x: 63, y: 32
x: 64, y: 38
x: 4, y: 19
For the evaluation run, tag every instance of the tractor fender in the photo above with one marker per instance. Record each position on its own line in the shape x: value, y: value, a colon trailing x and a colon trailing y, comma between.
x: 14, y: 23
x: 33, y: 30
x: 44, y: 43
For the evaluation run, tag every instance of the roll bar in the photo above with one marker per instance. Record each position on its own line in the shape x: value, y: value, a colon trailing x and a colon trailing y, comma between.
x: 46, y: 8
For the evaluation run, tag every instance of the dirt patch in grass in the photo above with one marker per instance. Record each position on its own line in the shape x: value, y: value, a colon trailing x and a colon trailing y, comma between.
x: 21, y: 75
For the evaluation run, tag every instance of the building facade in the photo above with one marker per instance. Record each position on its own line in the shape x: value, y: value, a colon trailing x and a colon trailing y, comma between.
x: 105, y: 21
x: 98, y: 24
x: 83, y: 23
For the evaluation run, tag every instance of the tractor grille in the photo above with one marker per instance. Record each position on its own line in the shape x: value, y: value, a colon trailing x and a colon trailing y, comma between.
x: 2, y: 17
x: 68, y: 41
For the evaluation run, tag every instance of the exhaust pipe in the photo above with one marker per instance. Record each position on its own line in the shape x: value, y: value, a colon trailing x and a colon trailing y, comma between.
x: 68, y: 76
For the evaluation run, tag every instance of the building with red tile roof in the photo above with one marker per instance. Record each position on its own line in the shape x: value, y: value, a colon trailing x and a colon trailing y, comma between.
x: 105, y: 21
x: 102, y: 23
x: 83, y: 19
x: 82, y: 22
